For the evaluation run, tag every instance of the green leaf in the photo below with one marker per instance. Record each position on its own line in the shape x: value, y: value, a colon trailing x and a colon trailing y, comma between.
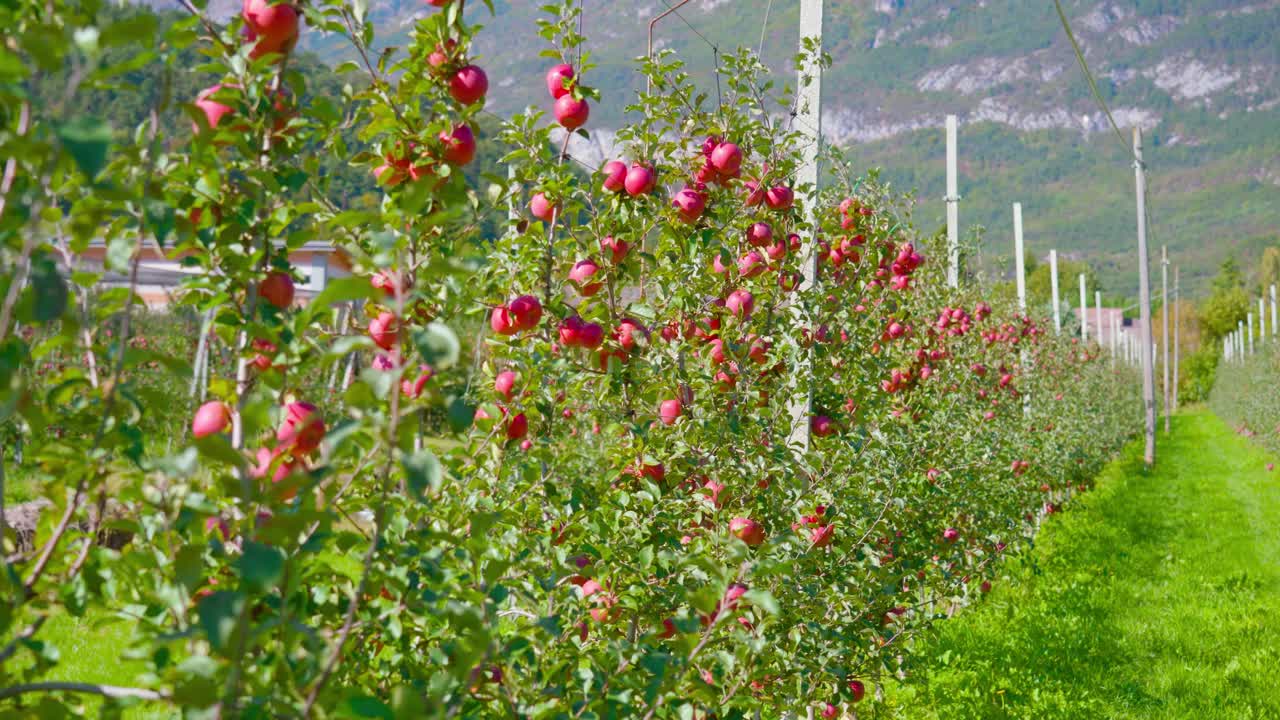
x: 762, y: 599
x: 342, y: 290
x: 261, y: 566
x: 87, y: 139
x: 348, y: 344
x: 438, y: 345
x: 363, y: 706
x: 119, y: 253
x: 218, y: 449
x: 218, y: 613
x: 160, y: 218
x: 49, y: 289
x: 460, y: 414
x: 423, y: 471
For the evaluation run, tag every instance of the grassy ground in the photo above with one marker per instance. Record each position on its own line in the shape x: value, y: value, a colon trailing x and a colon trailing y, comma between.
x: 1156, y: 596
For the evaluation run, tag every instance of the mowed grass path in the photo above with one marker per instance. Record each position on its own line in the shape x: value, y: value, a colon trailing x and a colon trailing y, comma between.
x: 1155, y: 596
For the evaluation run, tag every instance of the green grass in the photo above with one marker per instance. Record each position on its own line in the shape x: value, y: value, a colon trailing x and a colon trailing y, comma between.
x: 1156, y: 596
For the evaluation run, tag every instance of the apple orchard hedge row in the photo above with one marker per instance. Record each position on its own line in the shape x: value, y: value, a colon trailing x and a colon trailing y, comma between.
x: 1244, y: 394
x: 609, y: 517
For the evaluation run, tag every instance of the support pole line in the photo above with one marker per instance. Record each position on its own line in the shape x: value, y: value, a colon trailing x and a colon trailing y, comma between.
x: 1084, y: 311
x: 953, y: 206
x: 1053, y: 283
x: 1177, y: 348
x: 1164, y: 337
x: 809, y: 117
x: 1144, y: 300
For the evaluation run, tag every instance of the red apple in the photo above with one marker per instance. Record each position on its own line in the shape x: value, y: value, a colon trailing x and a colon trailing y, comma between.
x: 384, y: 330
x: 640, y: 180
x: 560, y: 81
x: 517, y: 427
x: 277, y: 289
x: 615, y: 176
x: 627, y: 332
x: 273, y: 25
x: 526, y: 311
x: 857, y: 690
x: 751, y: 264
x: 504, y: 383
x: 727, y: 159
x: 459, y: 145
x: 412, y: 388
x: 501, y: 321
x: 822, y: 426
x: 572, y: 112
x: 213, y: 110
x: 303, y: 427
x: 210, y: 419
x: 690, y: 203
x: 747, y: 530
x: 469, y: 85
x: 760, y: 234
x: 669, y: 411
x: 740, y: 303
x: 951, y: 535
x: 616, y: 248
x: 541, y: 207
x: 581, y: 275
x: 779, y: 197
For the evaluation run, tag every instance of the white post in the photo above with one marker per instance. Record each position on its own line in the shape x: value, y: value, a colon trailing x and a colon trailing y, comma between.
x: 1053, y: 282
x: 1177, y: 349
x: 809, y: 117
x: 1084, y: 311
x: 953, y: 206
x: 1262, y: 320
x: 1097, y: 304
x: 1164, y: 337
x: 1144, y: 301
x: 1275, y: 314
x: 1249, y: 325
x: 1019, y: 261
x: 1240, y: 339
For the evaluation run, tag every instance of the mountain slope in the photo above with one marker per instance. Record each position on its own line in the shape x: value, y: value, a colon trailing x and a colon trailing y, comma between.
x: 1202, y: 77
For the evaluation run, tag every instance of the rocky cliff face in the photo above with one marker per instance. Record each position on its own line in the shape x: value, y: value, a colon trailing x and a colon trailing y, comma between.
x: 903, y: 64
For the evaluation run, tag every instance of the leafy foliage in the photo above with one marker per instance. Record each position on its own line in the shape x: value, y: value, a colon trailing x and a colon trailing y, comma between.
x: 500, y: 512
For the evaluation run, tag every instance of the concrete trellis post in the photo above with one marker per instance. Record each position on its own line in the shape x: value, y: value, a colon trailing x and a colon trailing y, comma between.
x: 1144, y: 301
x: 1053, y: 284
x: 1084, y: 310
x: 809, y: 120
x: 1249, y: 330
x: 953, y: 206
x: 1275, y: 314
x: 1019, y: 260
x: 1164, y: 337
x: 1262, y: 320
x: 1177, y: 350
x: 1097, y: 304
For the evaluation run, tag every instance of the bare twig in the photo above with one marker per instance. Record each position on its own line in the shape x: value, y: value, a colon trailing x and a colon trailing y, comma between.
x: 110, y: 691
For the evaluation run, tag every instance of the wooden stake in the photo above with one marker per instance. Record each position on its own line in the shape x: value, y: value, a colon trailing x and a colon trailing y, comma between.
x: 1144, y: 302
